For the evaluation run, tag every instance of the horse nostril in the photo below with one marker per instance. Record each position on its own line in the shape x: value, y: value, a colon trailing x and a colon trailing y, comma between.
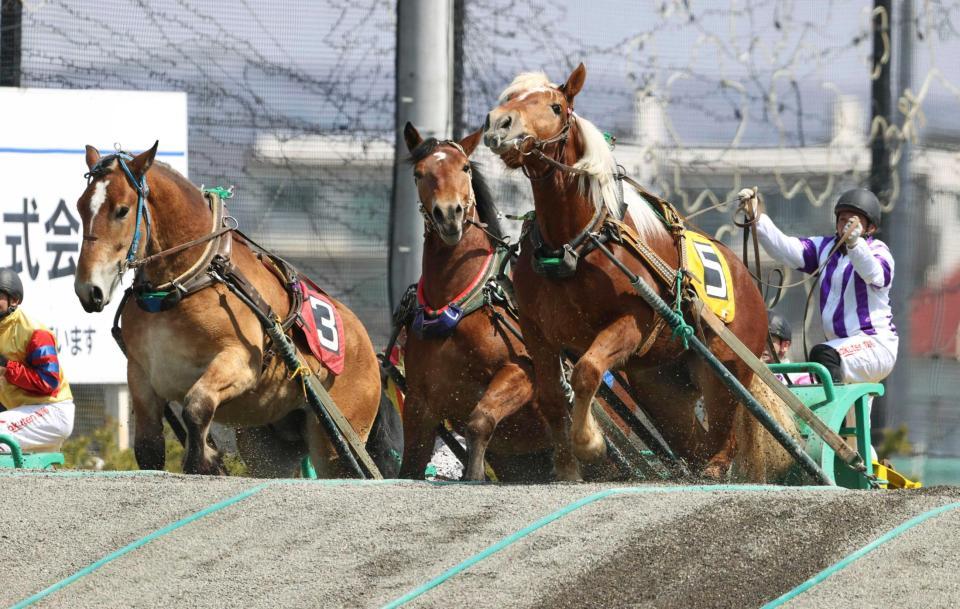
x: 486, y: 123
x: 505, y: 123
x: 459, y: 210
x: 96, y: 295
x: 437, y: 214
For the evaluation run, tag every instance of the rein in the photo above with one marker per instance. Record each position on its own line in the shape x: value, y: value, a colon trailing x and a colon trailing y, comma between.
x: 143, y: 193
x: 749, y: 225
x: 529, y: 145
x: 185, y: 246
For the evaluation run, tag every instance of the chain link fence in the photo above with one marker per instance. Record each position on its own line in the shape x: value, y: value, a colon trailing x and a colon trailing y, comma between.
x: 704, y: 100
x: 291, y: 104
x: 294, y: 104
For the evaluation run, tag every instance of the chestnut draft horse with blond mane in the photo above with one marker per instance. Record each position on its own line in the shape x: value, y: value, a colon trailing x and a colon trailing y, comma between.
x: 462, y: 362
x: 206, y: 349
x: 595, y: 313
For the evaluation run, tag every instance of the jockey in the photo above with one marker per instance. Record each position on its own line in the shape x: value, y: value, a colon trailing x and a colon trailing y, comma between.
x: 853, y: 284
x: 781, y: 336
x: 39, y: 405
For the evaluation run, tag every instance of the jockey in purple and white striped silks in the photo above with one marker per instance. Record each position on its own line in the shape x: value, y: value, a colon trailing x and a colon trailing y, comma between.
x: 853, y: 289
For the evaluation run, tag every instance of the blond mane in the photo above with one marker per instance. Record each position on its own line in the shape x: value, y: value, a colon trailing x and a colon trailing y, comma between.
x: 597, y: 161
x: 526, y: 81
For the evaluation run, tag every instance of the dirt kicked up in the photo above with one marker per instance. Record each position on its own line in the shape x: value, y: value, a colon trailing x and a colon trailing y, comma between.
x: 160, y: 540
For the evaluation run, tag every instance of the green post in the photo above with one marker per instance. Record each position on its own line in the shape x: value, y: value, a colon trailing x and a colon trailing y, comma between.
x: 15, y: 451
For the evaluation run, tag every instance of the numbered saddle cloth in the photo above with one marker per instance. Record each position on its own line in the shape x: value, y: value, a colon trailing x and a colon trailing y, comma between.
x: 321, y: 325
x: 710, y: 275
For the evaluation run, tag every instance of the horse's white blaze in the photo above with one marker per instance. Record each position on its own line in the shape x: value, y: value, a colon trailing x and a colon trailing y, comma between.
x: 104, y: 274
x: 440, y: 155
x: 98, y: 197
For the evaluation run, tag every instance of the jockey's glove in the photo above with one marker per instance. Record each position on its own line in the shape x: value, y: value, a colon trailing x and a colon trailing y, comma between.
x: 750, y: 202
x: 853, y: 230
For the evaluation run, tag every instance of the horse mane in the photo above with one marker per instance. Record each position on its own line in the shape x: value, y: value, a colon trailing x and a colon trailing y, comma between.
x: 486, y: 209
x: 597, y: 161
x: 526, y: 81
x: 423, y: 150
x: 601, y: 167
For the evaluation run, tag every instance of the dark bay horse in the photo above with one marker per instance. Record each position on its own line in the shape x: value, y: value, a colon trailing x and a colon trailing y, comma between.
x: 595, y: 312
x: 207, y: 352
x: 461, y: 363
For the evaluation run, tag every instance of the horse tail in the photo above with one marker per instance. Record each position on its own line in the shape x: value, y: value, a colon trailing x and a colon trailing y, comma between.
x: 385, y: 442
x: 759, y: 457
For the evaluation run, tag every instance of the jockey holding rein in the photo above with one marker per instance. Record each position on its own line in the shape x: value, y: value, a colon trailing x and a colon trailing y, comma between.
x: 854, y: 279
x: 39, y: 403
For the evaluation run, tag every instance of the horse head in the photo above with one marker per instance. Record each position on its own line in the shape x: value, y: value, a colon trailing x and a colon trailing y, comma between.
x: 532, y: 111
x: 116, y: 222
x: 442, y: 171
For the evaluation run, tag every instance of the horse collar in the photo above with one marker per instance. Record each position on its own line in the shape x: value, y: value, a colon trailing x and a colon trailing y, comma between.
x: 562, y: 263
x: 439, y: 323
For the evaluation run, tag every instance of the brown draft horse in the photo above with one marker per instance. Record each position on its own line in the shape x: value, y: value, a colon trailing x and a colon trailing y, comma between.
x: 207, y: 352
x: 596, y: 313
x: 478, y: 376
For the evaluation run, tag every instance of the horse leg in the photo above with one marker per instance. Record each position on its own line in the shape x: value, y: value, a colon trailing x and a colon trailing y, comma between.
x: 721, y: 406
x: 668, y: 397
x: 507, y: 392
x: 223, y: 380
x: 148, y: 443
x: 266, y: 454
x: 549, y: 397
x: 612, y: 346
x: 323, y: 455
x: 419, y: 433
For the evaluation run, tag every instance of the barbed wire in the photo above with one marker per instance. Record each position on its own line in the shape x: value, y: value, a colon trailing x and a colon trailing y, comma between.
x: 755, y: 75
x: 295, y: 106
x: 259, y: 79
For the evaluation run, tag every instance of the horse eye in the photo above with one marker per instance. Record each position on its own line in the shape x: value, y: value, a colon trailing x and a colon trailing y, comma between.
x: 556, y: 109
x: 417, y: 175
x: 466, y: 168
x: 122, y: 212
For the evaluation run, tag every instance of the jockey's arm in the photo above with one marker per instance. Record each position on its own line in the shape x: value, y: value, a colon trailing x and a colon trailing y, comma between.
x: 40, y: 373
x: 873, y: 262
x: 785, y: 249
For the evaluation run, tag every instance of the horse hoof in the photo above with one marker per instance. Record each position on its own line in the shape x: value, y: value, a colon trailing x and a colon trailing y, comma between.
x: 716, y: 471
x: 567, y: 474
x: 589, y: 449
x: 205, y: 468
x: 566, y: 468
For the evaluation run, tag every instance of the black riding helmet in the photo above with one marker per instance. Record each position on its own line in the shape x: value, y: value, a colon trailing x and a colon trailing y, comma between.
x: 779, y: 326
x: 861, y: 200
x: 10, y: 284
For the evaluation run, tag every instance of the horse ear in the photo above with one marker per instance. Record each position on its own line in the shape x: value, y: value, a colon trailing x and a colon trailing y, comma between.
x: 469, y: 143
x: 93, y: 156
x: 142, y: 162
x: 574, y: 82
x: 411, y: 136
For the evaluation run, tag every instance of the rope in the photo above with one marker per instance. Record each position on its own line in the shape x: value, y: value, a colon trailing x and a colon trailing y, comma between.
x: 303, y: 372
x: 223, y: 193
x: 682, y: 330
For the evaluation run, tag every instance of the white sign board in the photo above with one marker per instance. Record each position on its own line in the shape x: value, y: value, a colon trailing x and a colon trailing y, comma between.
x: 42, y: 138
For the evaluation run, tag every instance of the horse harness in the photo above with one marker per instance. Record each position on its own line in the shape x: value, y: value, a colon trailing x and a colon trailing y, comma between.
x: 491, y: 287
x: 213, y: 266
x: 561, y: 263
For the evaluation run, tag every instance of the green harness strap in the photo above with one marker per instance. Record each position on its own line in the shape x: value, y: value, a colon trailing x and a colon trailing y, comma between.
x: 477, y: 298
